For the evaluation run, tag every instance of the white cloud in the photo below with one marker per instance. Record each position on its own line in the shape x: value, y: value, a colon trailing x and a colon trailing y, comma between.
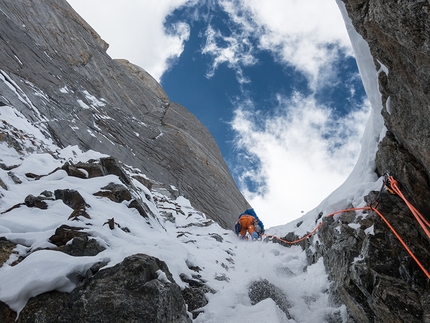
x: 306, y: 34
x: 236, y: 53
x: 303, y: 152
x: 134, y: 30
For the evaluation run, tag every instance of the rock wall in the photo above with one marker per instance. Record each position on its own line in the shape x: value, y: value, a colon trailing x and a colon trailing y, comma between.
x: 55, y: 70
x: 372, y: 273
x: 398, y: 34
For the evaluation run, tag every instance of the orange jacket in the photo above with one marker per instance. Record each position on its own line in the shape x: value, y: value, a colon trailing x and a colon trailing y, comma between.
x: 246, y: 224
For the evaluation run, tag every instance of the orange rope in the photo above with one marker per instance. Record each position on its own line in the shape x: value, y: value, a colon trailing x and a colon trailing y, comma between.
x: 403, y: 243
x: 317, y: 227
x: 418, y: 216
x: 425, y: 271
x: 298, y: 240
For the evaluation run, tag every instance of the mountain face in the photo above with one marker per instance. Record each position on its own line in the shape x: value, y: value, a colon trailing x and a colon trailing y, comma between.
x: 398, y: 35
x: 373, y: 274
x: 55, y: 70
x: 105, y: 186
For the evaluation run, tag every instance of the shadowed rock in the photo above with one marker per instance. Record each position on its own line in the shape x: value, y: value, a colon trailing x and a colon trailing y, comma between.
x: 64, y: 234
x: 131, y: 291
x: 71, y: 198
x: 33, y: 201
x: 263, y: 289
x: 6, y: 314
x: 194, y: 294
x: 115, y: 192
x: 6, y: 249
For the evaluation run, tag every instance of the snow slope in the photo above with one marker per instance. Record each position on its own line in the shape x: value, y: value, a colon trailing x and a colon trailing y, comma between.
x: 178, y: 234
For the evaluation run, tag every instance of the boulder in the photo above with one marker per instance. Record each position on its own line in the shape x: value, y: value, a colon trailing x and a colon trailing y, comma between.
x: 71, y: 198
x: 195, y: 294
x: 115, y: 192
x: 263, y: 289
x: 140, y: 289
x: 33, y: 201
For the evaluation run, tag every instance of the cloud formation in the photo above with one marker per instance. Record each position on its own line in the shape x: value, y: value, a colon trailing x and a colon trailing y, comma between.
x: 291, y: 158
x: 302, y: 152
x: 135, y: 30
x: 307, y: 34
x: 236, y: 53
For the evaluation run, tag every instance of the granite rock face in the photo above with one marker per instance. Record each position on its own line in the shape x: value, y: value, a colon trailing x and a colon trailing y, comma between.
x: 263, y: 289
x: 54, y: 69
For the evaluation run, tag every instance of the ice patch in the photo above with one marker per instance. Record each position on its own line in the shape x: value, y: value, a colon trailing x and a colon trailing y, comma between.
x: 94, y: 101
x: 83, y: 105
x: 370, y: 230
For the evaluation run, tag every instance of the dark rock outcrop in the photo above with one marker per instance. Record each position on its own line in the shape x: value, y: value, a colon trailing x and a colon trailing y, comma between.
x: 71, y: 198
x: 115, y: 192
x: 64, y: 234
x: 140, y: 289
x: 32, y: 201
x: 36, y: 201
x: 6, y: 314
x: 81, y: 242
x: 6, y: 249
x: 263, y: 289
x: 398, y: 34
x: 130, y: 292
x: 371, y: 272
x: 195, y: 294
x: 80, y: 96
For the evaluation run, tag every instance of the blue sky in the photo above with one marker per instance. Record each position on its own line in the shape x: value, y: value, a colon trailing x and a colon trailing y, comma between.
x: 275, y: 82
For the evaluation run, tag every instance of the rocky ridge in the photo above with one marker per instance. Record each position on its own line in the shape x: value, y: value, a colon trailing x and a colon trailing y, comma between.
x: 139, y: 286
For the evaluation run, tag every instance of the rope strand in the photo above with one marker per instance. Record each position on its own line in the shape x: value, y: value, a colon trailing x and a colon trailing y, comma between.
x: 418, y: 216
x: 425, y: 225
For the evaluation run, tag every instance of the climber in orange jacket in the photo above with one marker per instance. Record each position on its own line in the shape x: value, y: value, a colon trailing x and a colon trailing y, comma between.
x: 249, y: 222
x: 246, y: 223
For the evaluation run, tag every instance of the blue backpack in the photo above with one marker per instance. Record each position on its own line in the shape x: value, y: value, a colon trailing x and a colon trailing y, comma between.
x: 252, y: 213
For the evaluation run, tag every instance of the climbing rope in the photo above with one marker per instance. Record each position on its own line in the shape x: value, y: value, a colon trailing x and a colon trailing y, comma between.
x: 317, y: 227
x: 425, y: 225
x: 391, y: 184
x: 403, y: 243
